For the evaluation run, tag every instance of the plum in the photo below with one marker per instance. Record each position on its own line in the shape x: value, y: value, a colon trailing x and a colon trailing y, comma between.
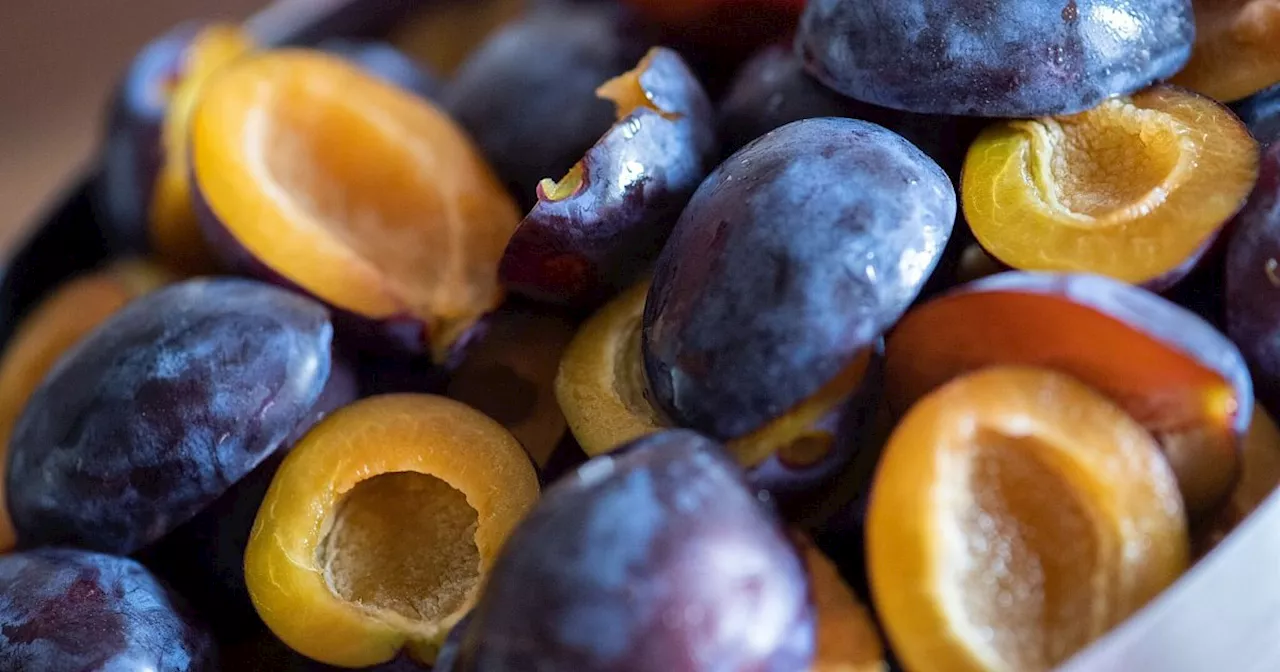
x: 527, y: 95
x: 1253, y: 281
x: 78, y: 610
x: 993, y: 58
x: 369, y: 198
x: 772, y: 89
x: 597, y: 230
x: 387, y: 62
x: 1261, y: 113
x: 657, y: 558
x: 163, y: 409
x: 790, y: 260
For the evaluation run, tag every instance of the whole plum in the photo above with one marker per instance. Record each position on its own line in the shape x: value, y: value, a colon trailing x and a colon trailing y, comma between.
x: 1261, y: 113
x: 1253, y: 281
x: 162, y: 409
x: 772, y: 89
x: 71, y: 610
x: 527, y: 95
x: 993, y: 58
x: 657, y: 558
x: 389, y: 63
x: 791, y: 259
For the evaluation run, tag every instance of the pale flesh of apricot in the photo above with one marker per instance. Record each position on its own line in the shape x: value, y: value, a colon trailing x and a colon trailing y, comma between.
x: 1134, y: 189
x: 1016, y: 516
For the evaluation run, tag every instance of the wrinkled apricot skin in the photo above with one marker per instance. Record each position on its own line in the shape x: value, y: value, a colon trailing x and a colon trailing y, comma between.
x: 68, y: 314
x: 1253, y: 281
x: 1017, y: 516
x: 1235, y: 53
x: 582, y: 247
x: 603, y: 575
x: 398, y: 225
x: 420, y: 436
x: 1136, y: 189
x: 161, y: 410
x: 1174, y: 373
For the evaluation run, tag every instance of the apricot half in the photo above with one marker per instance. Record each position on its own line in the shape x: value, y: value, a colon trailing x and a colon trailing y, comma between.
x: 847, y: 640
x: 380, y: 526
x: 1016, y: 516
x: 1176, y: 375
x: 1135, y: 189
x: 800, y: 456
x: 61, y: 320
x: 316, y: 174
x: 1236, y: 52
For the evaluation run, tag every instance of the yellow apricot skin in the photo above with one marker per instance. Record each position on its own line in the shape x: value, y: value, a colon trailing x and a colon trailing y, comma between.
x: 390, y: 434
x: 1236, y: 53
x: 847, y: 640
x: 1134, y: 189
x: 1075, y: 492
x: 173, y: 227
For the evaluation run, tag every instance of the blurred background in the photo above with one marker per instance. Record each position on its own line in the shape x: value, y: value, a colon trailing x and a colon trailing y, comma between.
x: 59, y: 60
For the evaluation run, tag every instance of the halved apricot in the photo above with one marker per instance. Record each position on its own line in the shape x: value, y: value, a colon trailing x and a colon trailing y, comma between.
x: 800, y: 456
x: 313, y: 172
x: 1176, y: 375
x: 1236, y: 53
x: 1259, y: 479
x: 380, y: 526
x: 62, y: 319
x: 510, y: 376
x: 1136, y: 189
x: 1016, y: 516
x: 847, y: 639
x: 173, y: 231
x: 443, y: 34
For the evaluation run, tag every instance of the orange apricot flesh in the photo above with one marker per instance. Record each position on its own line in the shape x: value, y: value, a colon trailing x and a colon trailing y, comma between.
x: 1113, y: 341
x: 1017, y: 516
x: 602, y: 390
x: 1135, y: 189
x: 62, y: 319
x: 847, y: 639
x: 510, y: 376
x: 380, y: 526
x: 1236, y: 53
x: 174, y: 230
x: 359, y: 193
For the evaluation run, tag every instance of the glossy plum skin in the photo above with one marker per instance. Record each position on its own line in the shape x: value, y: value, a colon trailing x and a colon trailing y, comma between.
x: 794, y: 255
x: 527, y: 95
x: 772, y: 90
x: 1253, y: 281
x: 163, y: 409
x: 131, y: 150
x: 1261, y: 113
x: 585, y: 248
x: 604, y: 572
x: 993, y: 58
x: 385, y: 61
x: 76, y: 610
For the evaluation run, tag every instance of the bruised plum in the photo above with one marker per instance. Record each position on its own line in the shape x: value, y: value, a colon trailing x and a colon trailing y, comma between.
x: 388, y: 63
x: 791, y: 259
x: 527, y: 95
x: 596, y: 231
x: 75, y: 610
x: 993, y: 58
x: 162, y: 409
x: 657, y: 558
x: 772, y: 90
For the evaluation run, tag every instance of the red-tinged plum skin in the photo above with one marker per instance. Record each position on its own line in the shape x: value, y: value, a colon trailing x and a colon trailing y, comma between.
x: 527, y: 95
x: 132, y: 154
x: 993, y: 58
x: 385, y: 61
x: 1253, y: 281
x: 604, y: 573
x: 582, y: 249
x: 162, y: 410
x: 68, y: 610
x: 772, y: 90
x: 792, y: 257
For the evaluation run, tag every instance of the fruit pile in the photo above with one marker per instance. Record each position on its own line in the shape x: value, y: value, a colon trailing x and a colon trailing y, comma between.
x: 717, y: 335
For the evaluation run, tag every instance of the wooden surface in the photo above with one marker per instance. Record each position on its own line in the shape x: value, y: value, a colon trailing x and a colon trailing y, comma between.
x: 59, y: 60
